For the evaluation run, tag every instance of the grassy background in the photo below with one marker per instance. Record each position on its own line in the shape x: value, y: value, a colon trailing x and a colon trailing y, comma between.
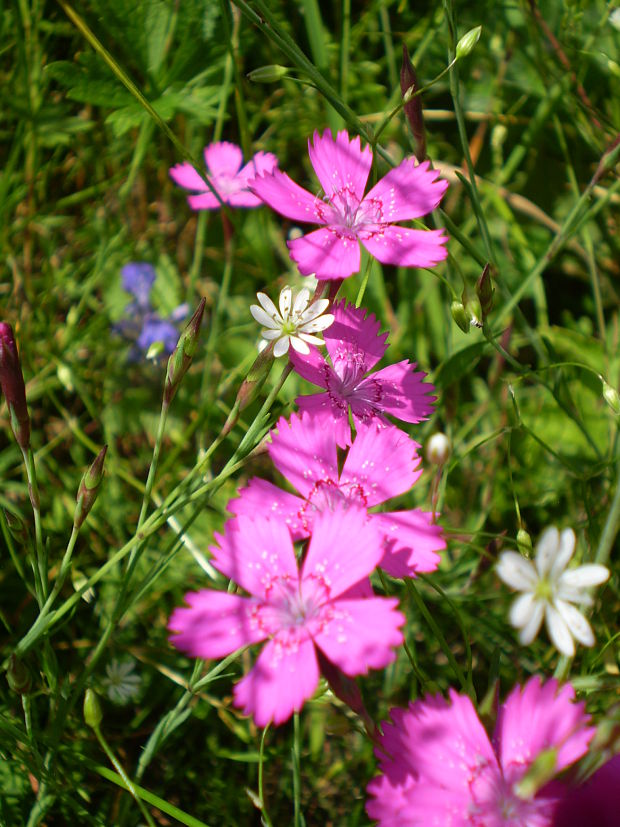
x: 84, y: 189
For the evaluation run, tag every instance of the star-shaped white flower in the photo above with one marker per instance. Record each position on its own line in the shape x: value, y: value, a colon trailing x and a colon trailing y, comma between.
x: 294, y: 323
x: 549, y: 590
x: 121, y: 683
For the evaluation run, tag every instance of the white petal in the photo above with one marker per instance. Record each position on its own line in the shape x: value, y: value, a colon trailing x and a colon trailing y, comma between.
x: 573, y: 595
x: 301, y: 301
x: 299, y: 345
x: 530, y: 630
x: 547, y: 550
x: 585, y: 576
x: 269, y: 306
x: 522, y: 609
x: 322, y: 323
x: 565, y: 552
x: 262, y: 345
x: 281, y: 347
x: 314, y: 310
x: 271, y: 334
x: 262, y: 317
x: 516, y: 571
x: 559, y: 632
x: 314, y: 340
x: 286, y: 300
x: 576, y: 622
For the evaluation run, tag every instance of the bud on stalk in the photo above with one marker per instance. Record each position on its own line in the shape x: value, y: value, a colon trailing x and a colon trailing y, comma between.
x: 89, y: 488
x: 181, y: 359
x: 92, y: 709
x: 413, y: 104
x: 13, y: 388
x: 485, y: 290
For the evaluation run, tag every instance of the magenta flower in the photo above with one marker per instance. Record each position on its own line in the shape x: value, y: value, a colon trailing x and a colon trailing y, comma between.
x: 595, y: 802
x: 230, y: 180
x: 355, y: 346
x: 380, y: 464
x: 440, y: 768
x: 295, y: 611
x: 342, y: 167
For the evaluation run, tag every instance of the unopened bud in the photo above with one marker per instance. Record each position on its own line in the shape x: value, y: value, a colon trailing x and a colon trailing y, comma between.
x: 89, y: 488
x: 524, y: 542
x: 92, y: 709
x: 542, y: 769
x: 413, y: 104
x: 611, y: 396
x: 181, y: 358
x: 18, y: 676
x: 255, y: 379
x: 13, y: 388
x: 268, y: 74
x: 474, y: 311
x: 438, y: 449
x: 460, y: 316
x: 485, y: 290
x: 467, y: 42
x: 17, y: 527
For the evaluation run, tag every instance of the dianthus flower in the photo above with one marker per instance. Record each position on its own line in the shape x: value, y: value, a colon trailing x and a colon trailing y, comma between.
x: 294, y: 323
x: 441, y: 770
x: 380, y: 464
x: 342, y: 167
x: 228, y: 178
x: 549, y: 590
x: 295, y: 611
x: 355, y: 346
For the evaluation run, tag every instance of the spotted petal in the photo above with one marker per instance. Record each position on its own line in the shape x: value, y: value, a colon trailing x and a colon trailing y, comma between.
x: 283, y: 195
x: 403, y: 247
x: 341, y: 164
x: 304, y: 453
x: 408, y: 191
x: 328, y: 253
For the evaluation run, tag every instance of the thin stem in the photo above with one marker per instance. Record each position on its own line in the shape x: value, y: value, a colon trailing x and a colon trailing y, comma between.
x: 33, y: 490
x: 296, y: 755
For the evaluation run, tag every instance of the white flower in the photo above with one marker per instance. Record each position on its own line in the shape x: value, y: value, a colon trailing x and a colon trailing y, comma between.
x: 294, y: 323
x: 549, y: 590
x: 121, y: 683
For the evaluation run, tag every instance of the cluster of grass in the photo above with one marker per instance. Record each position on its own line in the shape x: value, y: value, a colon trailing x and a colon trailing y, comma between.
x: 99, y: 99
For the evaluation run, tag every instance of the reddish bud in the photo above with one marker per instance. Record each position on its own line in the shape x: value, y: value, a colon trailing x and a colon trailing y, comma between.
x: 485, y: 290
x: 13, y: 388
x: 89, y: 488
x: 181, y: 358
x: 413, y: 104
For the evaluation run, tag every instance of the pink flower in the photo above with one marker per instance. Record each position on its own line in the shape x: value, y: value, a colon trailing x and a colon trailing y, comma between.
x: 440, y: 768
x: 380, y: 464
x: 595, y: 802
x: 295, y: 611
x: 223, y: 162
x: 355, y: 346
x: 342, y: 167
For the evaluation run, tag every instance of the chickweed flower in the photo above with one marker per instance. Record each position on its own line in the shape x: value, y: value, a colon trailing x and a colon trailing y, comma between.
x: 294, y: 323
x: 121, y: 683
x: 549, y: 590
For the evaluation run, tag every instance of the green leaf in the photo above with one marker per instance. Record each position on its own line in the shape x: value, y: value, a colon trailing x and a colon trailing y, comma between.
x: 459, y: 364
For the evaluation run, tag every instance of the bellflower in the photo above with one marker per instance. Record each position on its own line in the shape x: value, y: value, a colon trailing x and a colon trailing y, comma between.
x: 440, y: 768
x: 549, y: 591
x: 380, y: 464
x: 295, y: 611
x: 349, y: 217
x: 294, y: 322
x: 229, y: 179
x: 355, y: 346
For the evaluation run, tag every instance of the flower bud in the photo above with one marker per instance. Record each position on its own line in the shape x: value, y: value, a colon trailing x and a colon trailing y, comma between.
x: 460, y: 316
x: 524, y: 543
x: 485, y: 290
x: 474, y: 311
x: 92, y: 709
x: 438, y: 449
x: 268, y: 74
x: 413, y: 104
x: 17, y: 527
x: 18, y: 676
x: 467, y: 42
x: 181, y: 358
x: 611, y: 396
x: 89, y: 488
x: 13, y: 388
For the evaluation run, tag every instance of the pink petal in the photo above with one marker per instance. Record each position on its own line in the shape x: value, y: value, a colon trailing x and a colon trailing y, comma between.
x: 344, y: 548
x: 398, y: 390
x: 328, y: 253
x: 223, y: 157
x: 341, y: 164
x: 353, y: 341
x: 408, y: 191
x: 403, y: 247
x: 595, y: 802
x: 206, y: 201
x: 283, y: 678
x: 264, y: 499
x: 286, y: 197
x: 411, y: 542
x: 383, y: 462
x: 312, y: 367
x: 417, y: 805
x: 263, y: 163
x: 538, y: 717
x: 254, y: 553
x: 242, y: 198
x: 332, y: 412
x: 214, y: 625
x: 186, y: 176
x: 361, y: 634
x: 304, y: 452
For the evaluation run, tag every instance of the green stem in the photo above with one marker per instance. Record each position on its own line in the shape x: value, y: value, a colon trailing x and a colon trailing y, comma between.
x: 35, y: 500
x: 296, y: 755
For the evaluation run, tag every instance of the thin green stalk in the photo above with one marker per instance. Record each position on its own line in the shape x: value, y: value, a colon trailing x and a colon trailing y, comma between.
x: 387, y: 37
x: 345, y: 43
x: 612, y: 524
x: 296, y: 756
x: 35, y: 500
x: 261, y: 791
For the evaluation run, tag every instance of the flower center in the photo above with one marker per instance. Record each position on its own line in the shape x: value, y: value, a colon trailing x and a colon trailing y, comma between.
x: 345, y: 210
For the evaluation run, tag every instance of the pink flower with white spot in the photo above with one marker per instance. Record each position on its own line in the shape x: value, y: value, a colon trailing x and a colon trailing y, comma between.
x: 441, y: 770
x: 229, y: 179
x: 296, y: 612
x: 349, y: 217
x: 355, y: 346
x: 380, y: 464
